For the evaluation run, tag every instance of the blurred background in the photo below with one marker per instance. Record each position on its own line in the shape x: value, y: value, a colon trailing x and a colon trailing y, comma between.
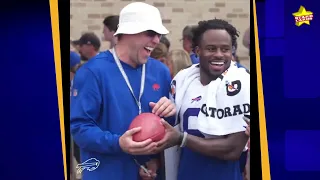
x: 88, y: 16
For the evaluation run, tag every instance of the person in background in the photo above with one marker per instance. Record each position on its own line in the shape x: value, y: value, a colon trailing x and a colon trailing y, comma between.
x: 74, y: 46
x: 187, y: 35
x: 89, y: 46
x: 166, y: 42
x: 74, y: 63
x: 177, y: 60
x: 160, y: 53
x: 246, y: 39
x: 110, y: 26
x: 235, y: 57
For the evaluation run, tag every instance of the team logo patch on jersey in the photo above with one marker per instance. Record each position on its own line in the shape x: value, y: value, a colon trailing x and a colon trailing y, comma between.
x: 155, y: 87
x: 173, y: 89
x: 196, y: 99
x: 233, y: 88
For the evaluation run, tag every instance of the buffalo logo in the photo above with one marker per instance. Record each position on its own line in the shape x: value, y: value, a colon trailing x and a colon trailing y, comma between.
x: 233, y: 88
x: 173, y: 89
x: 90, y: 165
x: 155, y: 87
x: 196, y: 99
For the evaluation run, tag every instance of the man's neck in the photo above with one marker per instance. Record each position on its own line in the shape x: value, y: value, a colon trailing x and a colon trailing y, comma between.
x: 205, y: 78
x: 93, y: 55
x: 112, y: 43
x: 123, y: 55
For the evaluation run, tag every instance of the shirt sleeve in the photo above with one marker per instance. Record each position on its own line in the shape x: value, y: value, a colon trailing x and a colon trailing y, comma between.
x: 85, y: 110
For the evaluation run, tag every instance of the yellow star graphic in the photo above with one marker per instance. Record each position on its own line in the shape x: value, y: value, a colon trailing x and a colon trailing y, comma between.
x: 302, y: 16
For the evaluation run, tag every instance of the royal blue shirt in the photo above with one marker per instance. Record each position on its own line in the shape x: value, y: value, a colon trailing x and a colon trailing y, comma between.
x: 241, y: 66
x: 194, y: 58
x: 102, y: 108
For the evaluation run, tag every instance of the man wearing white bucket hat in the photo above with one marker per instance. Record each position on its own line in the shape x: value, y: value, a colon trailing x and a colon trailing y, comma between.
x: 111, y: 90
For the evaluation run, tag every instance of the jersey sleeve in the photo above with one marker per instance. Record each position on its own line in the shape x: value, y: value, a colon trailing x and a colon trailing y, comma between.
x: 85, y: 107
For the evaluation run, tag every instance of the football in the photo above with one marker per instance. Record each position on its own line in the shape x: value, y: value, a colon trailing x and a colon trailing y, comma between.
x: 151, y: 127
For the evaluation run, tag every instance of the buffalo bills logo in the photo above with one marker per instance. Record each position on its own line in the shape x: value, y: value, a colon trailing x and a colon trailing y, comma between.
x: 155, y: 87
x: 196, y: 99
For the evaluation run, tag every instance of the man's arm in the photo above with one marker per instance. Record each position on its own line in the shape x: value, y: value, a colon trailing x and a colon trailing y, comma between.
x: 228, y: 147
x: 86, y: 103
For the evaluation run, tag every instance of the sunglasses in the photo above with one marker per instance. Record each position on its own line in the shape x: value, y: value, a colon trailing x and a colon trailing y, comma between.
x: 152, y: 34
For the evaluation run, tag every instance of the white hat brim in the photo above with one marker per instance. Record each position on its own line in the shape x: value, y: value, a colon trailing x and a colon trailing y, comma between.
x: 135, y: 28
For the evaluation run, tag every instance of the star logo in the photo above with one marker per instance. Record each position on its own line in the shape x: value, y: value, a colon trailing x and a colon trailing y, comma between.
x: 302, y: 16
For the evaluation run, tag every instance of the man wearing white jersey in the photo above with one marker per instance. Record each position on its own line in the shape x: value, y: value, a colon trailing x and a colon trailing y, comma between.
x: 211, y: 99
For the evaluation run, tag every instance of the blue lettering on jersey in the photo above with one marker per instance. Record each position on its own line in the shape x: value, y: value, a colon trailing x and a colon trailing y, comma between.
x: 186, y: 115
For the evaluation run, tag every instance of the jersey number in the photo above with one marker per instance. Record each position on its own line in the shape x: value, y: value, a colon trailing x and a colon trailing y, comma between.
x: 190, y: 119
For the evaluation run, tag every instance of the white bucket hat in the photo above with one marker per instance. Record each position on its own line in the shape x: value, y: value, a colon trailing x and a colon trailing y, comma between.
x: 138, y: 17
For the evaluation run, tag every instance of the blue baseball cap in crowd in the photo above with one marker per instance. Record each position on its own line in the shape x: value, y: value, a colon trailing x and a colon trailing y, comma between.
x: 74, y: 59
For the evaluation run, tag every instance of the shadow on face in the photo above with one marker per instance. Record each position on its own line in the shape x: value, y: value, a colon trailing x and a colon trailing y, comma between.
x: 108, y: 35
x: 85, y: 51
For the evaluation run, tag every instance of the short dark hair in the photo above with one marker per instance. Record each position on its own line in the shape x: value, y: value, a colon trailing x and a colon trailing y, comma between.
x: 203, y: 26
x: 111, y: 22
x: 187, y: 32
x: 90, y: 39
x: 165, y: 41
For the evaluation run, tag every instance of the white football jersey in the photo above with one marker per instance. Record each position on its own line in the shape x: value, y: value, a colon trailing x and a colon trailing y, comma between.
x: 190, y: 109
x: 191, y: 105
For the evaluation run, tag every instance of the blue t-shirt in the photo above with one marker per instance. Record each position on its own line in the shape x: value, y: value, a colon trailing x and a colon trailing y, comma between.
x: 241, y: 66
x: 194, y: 58
x: 102, y: 108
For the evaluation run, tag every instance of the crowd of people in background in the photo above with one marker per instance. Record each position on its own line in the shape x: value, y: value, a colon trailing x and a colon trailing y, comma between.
x: 88, y: 46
